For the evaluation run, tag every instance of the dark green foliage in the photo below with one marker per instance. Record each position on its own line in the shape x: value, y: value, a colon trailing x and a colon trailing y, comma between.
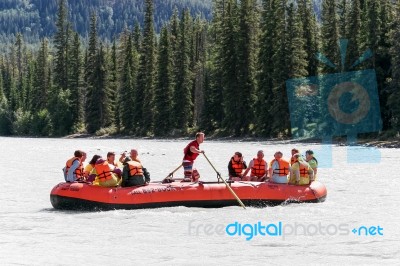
x: 163, y: 90
x: 227, y: 76
x: 183, y: 104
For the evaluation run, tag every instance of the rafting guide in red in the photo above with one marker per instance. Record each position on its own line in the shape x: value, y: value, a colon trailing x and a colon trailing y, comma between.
x: 283, y: 230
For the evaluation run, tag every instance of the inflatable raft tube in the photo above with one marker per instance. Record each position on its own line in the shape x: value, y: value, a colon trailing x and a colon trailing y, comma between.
x: 83, y: 196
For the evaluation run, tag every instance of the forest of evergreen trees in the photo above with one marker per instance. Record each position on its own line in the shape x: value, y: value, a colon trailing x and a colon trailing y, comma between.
x: 225, y: 76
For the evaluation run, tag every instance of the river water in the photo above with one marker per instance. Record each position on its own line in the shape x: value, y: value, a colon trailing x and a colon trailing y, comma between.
x: 359, y: 194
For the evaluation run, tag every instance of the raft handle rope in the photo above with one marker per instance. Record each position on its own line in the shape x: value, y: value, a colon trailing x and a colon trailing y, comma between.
x: 226, y: 184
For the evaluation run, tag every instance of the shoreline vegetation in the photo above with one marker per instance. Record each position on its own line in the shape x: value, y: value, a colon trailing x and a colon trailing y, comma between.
x: 234, y: 77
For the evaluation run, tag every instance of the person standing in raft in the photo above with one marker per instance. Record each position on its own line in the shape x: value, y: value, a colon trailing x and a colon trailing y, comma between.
x: 236, y: 166
x: 73, y: 170
x: 134, y: 174
x: 301, y: 172
x: 191, y: 151
x: 258, y: 167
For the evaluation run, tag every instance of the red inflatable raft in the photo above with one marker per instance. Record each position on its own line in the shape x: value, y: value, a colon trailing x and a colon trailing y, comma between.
x: 83, y: 196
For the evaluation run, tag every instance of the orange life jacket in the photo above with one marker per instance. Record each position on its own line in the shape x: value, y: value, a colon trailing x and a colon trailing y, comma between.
x: 258, y: 168
x: 283, y: 167
x: 78, y: 171
x: 135, y: 168
x: 238, y: 167
x: 103, y: 171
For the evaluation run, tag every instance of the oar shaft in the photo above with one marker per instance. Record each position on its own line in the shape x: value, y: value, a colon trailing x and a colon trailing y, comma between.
x: 229, y: 188
x: 176, y: 169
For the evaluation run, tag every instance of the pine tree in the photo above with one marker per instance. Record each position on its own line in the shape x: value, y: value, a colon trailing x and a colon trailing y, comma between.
x: 92, y: 117
x: 310, y: 35
x: 75, y: 82
x: 60, y: 45
x: 343, y: 18
x: 280, y: 127
x: 103, y: 95
x: 163, y: 90
x: 183, y: 104
x: 354, y: 31
x: 213, y: 112
x: 113, y: 84
x: 330, y: 36
x: 199, y: 61
x: 246, y: 81
x: 41, y: 86
x: 145, y: 95
x: 229, y: 68
x: 266, y: 67
x: 128, y: 90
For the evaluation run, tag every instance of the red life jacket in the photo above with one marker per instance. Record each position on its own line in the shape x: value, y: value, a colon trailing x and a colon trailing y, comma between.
x: 103, y: 171
x: 283, y: 168
x: 258, y: 168
x: 135, y: 168
x: 78, y: 171
x: 237, y: 166
x: 190, y: 156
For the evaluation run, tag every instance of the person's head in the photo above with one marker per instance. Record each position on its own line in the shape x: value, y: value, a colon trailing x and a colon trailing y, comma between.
x: 94, y: 159
x: 294, y: 151
x: 278, y: 155
x: 309, y: 154
x: 260, y: 155
x: 111, y: 157
x: 237, y: 156
x: 297, y: 157
x: 78, y: 153
x: 200, y: 137
x: 133, y: 153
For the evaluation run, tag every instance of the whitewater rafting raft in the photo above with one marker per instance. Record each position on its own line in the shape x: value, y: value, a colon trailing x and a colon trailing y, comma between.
x: 84, y: 196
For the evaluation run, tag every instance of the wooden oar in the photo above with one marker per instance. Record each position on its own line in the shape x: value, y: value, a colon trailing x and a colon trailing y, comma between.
x: 170, y: 174
x: 230, y: 189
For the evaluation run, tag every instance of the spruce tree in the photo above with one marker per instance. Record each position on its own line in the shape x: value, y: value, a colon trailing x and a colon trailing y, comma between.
x: 310, y: 34
x: 330, y: 35
x: 229, y: 67
x: 266, y: 67
x: 75, y: 82
x: 246, y: 82
x: 60, y: 45
x: 354, y: 32
x: 145, y: 89
x: 183, y: 104
x: 163, y: 89
x: 92, y: 116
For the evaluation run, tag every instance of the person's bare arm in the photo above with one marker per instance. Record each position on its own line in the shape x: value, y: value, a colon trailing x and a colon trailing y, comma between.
x: 194, y: 150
